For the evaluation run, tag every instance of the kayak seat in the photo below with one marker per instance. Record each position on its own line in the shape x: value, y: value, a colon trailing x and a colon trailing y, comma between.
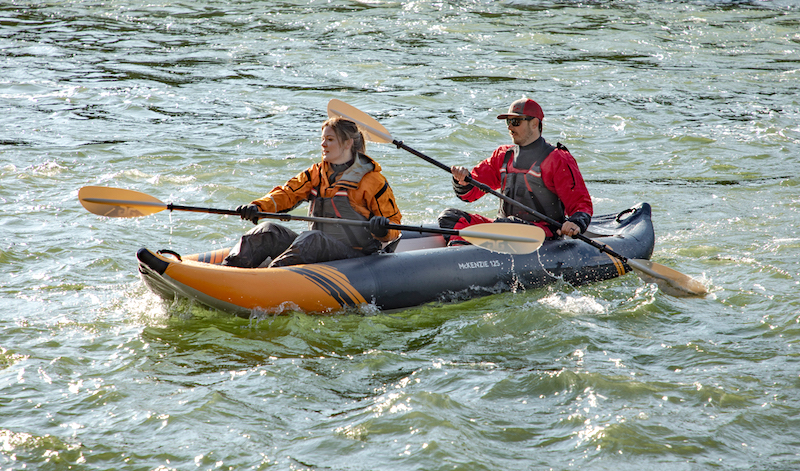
x: 414, y: 240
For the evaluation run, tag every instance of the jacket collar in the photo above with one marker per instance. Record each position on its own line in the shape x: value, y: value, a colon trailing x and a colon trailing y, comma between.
x: 362, y: 165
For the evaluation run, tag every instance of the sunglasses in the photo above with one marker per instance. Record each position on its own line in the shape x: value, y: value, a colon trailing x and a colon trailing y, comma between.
x: 517, y: 121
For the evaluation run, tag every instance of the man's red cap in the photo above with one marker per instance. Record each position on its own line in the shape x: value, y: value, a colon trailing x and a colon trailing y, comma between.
x: 522, y: 108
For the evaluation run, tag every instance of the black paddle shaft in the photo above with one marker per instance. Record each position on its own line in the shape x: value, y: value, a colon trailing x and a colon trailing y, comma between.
x: 289, y: 217
x: 487, y: 189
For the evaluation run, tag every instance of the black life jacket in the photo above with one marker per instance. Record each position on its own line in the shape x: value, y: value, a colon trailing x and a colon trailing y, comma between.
x: 521, y: 179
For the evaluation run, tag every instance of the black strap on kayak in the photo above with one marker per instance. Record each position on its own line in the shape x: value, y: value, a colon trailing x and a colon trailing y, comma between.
x: 175, y: 254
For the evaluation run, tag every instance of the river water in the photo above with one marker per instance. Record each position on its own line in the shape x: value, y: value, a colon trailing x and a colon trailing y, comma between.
x: 691, y: 106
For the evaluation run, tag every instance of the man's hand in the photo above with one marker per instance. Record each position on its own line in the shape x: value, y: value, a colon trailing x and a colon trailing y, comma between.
x: 460, y: 174
x: 569, y: 229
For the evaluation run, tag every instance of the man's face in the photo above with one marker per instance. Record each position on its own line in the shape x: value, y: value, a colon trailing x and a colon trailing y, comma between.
x: 525, y: 133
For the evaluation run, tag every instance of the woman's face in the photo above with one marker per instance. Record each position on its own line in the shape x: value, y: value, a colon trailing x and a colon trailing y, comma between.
x: 334, y: 151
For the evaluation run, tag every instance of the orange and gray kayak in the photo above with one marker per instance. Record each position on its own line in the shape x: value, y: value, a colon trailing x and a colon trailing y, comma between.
x: 421, y: 270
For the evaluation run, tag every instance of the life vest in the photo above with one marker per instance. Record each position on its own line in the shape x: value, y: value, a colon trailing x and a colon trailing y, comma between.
x: 521, y: 180
x: 338, y: 206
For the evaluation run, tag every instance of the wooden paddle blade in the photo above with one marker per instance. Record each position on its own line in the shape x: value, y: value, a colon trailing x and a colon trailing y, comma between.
x: 505, y: 237
x: 373, y: 130
x: 668, y: 280
x: 118, y: 203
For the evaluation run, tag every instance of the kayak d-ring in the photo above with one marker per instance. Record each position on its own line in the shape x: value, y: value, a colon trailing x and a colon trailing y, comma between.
x: 623, y: 213
x: 175, y: 254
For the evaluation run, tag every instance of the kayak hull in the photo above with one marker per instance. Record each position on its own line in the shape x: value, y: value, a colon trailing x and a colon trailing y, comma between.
x: 420, y: 271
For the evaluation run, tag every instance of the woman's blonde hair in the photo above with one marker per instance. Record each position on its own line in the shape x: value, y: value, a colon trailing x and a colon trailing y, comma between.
x: 346, y: 129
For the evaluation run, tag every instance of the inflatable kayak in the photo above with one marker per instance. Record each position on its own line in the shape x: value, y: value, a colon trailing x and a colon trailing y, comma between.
x: 420, y: 270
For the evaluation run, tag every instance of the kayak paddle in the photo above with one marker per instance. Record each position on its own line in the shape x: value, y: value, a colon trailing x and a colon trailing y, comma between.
x: 669, y: 280
x: 121, y: 203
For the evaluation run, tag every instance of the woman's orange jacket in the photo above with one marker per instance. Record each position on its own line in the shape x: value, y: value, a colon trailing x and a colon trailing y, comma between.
x: 370, y: 196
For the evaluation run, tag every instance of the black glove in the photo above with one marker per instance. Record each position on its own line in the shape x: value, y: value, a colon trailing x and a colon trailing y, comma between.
x: 378, y: 226
x: 249, y: 212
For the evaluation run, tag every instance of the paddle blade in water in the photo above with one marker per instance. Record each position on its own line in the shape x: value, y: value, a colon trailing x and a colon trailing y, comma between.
x: 505, y: 237
x: 373, y: 130
x: 668, y: 280
x: 118, y: 203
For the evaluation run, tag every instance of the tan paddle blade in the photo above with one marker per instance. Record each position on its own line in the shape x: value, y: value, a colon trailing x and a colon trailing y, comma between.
x: 668, y: 280
x: 505, y: 237
x: 118, y: 203
x: 373, y: 130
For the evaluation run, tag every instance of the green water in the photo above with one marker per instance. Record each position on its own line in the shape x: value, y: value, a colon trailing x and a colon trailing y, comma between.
x: 691, y: 106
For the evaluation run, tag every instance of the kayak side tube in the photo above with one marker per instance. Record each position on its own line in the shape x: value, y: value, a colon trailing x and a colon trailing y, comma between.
x: 403, y: 279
